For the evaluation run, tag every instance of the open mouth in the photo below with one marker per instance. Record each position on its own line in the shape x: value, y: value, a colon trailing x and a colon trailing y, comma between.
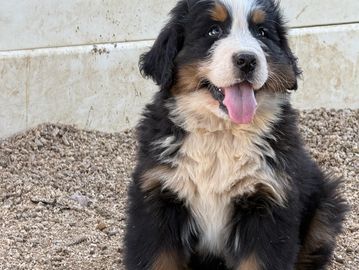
x: 238, y: 100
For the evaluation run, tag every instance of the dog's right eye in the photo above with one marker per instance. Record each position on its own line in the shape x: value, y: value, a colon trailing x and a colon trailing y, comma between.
x: 215, y: 31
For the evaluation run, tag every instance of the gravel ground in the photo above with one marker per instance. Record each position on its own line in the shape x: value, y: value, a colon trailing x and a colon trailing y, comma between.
x: 63, y: 192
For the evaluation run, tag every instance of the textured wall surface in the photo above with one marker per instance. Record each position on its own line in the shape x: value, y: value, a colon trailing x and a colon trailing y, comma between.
x: 75, y: 61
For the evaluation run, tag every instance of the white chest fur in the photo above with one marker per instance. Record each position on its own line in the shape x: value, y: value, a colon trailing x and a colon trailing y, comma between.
x: 211, y: 169
x: 218, y: 161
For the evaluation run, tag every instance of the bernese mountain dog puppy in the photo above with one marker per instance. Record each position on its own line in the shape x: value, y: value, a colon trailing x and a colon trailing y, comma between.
x: 223, y: 180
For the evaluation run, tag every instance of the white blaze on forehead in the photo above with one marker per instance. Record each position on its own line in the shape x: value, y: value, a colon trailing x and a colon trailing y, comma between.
x: 240, y: 11
x: 221, y: 70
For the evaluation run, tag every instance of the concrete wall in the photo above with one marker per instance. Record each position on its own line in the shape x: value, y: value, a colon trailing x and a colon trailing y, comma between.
x: 75, y: 61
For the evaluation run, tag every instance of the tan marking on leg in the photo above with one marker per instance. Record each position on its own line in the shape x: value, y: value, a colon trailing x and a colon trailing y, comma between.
x: 169, y: 260
x: 258, y: 16
x: 319, y: 234
x: 219, y: 13
x: 251, y: 263
x: 320, y: 231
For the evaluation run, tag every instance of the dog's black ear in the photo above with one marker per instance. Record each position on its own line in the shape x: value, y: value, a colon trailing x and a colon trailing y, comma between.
x: 282, y: 30
x: 297, y: 72
x: 294, y: 71
x: 159, y: 62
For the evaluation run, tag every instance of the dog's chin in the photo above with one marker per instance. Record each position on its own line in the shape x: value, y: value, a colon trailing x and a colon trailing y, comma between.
x: 238, y: 101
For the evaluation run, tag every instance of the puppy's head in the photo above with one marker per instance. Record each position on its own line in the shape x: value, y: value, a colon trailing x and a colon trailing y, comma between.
x: 223, y: 57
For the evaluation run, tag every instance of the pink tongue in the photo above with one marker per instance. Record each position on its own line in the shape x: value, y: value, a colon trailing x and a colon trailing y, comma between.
x: 241, y: 103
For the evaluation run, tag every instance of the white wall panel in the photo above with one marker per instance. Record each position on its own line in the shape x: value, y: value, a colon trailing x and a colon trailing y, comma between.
x: 92, y: 88
x: 102, y: 89
x: 13, y: 95
x: 301, y: 13
x: 28, y: 24
x: 329, y: 57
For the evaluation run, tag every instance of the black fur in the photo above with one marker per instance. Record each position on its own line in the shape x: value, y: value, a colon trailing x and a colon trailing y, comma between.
x: 277, y: 41
x: 158, y: 63
x: 159, y: 222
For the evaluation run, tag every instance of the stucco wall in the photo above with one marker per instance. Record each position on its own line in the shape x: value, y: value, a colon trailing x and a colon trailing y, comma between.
x: 75, y: 61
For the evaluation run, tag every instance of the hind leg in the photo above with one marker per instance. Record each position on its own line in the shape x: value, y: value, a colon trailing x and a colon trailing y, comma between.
x: 319, y: 244
x: 326, y: 224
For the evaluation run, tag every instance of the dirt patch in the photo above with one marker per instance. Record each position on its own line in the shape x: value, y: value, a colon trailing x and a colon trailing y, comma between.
x: 63, y: 192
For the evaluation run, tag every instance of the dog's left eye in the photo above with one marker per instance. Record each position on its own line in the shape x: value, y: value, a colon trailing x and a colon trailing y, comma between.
x: 262, y: 32
x: 215, y: 31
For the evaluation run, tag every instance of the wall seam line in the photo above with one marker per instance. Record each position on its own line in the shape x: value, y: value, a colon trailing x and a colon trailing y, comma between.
x: 116, y: 43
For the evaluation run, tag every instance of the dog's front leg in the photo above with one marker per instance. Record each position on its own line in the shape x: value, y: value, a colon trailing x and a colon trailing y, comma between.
x: 153, y: 239
x: 264, y: 239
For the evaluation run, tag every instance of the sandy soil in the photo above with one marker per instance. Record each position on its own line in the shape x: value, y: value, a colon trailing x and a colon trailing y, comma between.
x: 63, y: 192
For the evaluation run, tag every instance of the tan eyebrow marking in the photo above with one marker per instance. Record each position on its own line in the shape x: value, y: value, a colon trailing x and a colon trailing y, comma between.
x: 258, y: 16
x: 219, y: 13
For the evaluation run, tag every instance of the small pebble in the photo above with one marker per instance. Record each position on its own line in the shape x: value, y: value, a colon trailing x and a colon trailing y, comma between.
x: 78, y: 241
x: 101, y: 226
x: 339, y: 259
x: 80, y: 199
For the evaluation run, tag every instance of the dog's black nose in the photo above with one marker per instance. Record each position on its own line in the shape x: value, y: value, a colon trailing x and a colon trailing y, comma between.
x: 246, y: 62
